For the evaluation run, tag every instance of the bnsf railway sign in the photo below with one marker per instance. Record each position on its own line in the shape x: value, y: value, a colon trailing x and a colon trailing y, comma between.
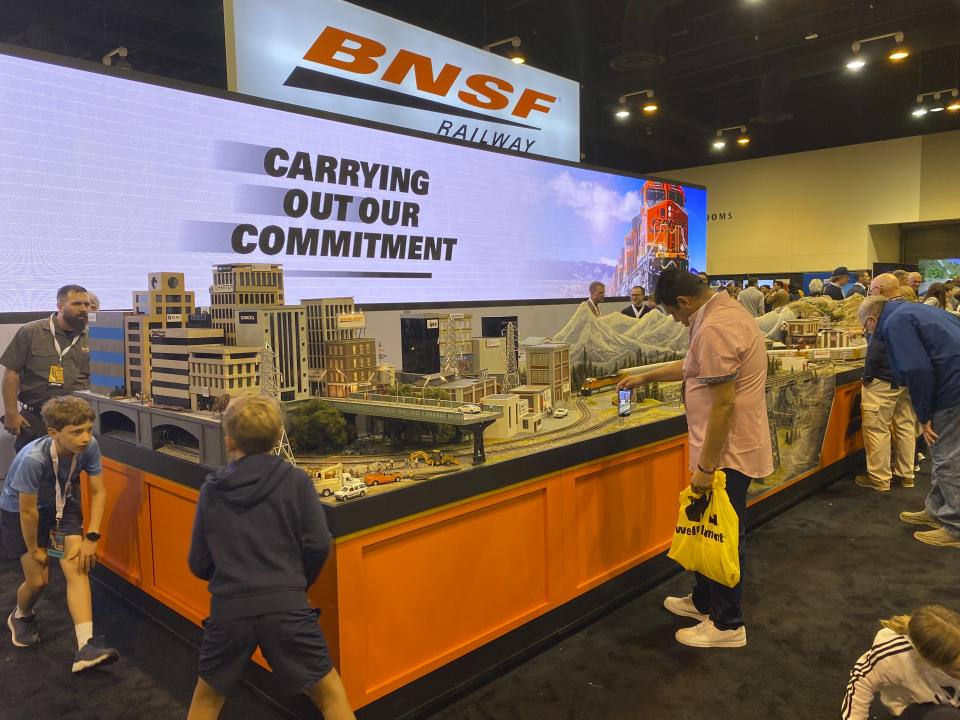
x: 334, y: 56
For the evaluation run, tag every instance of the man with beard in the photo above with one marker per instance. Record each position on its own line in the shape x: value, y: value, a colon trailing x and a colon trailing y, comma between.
x: 46, y: 358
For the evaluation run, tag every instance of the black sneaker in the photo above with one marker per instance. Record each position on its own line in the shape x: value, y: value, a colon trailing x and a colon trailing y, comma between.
x: 93, y: 654
x: 23, y: 631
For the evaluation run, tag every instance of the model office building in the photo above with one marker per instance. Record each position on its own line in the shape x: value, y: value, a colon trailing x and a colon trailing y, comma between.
x: 323, y: 326
x: 165, y: 305
x: 247, y: 303
x: 351, y: 366
x: 240, y: 287
x: 549, y: 364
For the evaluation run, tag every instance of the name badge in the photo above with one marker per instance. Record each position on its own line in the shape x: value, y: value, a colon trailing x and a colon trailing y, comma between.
x: 55, y: 379
x: 58, y: 542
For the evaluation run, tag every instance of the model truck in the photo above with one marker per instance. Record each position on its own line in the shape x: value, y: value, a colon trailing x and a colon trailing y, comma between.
x: 434, y: 459
x: 327, y: 480
x: 379, y: 478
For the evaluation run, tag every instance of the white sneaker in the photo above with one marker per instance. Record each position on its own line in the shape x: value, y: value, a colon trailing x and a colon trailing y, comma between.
x: 684, y: 607
x: 707, y: 635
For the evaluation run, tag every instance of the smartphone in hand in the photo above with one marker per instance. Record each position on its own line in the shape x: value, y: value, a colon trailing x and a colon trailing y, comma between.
x: 623, y: 402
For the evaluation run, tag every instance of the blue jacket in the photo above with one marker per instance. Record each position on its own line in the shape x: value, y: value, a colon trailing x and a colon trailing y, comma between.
x: 923, y: 345
x: 259, y: 536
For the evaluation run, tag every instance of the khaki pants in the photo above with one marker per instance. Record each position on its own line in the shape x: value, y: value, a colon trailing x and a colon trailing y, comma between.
x: 882, y: 407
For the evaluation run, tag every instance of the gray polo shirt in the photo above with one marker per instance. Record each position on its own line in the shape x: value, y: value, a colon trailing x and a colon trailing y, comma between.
x: 31, y: 353
x: 752, y: 299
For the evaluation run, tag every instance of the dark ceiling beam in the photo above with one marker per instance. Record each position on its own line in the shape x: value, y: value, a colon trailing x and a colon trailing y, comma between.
x: 168, y: 12
x: 630, y: 138
x: 692, y: 65
x: 696, y: 66
x: 132, y: 42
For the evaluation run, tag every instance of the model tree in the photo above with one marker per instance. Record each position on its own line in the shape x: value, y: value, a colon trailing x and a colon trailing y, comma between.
x: 318, y: 427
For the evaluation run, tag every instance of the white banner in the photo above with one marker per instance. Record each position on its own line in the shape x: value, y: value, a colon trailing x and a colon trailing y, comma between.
x: 337, y: 57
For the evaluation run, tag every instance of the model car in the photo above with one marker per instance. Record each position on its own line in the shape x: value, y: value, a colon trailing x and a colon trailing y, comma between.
x: 469, y: 409
x: 560, y: 412
x: 355, y: 488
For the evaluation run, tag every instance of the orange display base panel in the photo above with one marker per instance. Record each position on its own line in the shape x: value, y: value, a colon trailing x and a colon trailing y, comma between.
x: 405, y: 598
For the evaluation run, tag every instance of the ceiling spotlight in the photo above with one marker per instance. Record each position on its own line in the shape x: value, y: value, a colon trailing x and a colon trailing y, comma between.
x: 899, y: 52
x: 742, y: 140
x: 649, y: 105
x: 936, y: 104
x: 515, y: 55
x: 622, y: 113
x: 811, y: 36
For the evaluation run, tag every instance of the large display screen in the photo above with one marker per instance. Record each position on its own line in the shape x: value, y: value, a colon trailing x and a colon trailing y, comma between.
x: 106, y: 179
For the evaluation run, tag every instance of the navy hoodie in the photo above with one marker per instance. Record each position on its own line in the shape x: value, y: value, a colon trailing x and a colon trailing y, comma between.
x: 259, y: 536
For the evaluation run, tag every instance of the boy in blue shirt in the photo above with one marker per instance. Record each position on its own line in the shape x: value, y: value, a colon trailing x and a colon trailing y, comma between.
x: 41, y: 517
x: 260, y: 537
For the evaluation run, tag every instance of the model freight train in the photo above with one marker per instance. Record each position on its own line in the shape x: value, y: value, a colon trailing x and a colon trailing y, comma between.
x: 657, y: 239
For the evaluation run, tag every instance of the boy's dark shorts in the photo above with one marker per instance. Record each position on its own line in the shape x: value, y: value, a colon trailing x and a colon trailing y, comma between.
x: 291, y: 641
x: 12, y: 533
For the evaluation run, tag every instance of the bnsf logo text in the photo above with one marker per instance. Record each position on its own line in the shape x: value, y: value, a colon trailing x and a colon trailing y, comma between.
x: 358, y: 54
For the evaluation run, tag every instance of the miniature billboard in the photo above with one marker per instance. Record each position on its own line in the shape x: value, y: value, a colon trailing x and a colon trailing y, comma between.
x: 352, y: 320
x: 337, y: 57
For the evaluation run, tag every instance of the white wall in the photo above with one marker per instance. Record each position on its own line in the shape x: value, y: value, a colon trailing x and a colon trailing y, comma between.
x: 814, y: 210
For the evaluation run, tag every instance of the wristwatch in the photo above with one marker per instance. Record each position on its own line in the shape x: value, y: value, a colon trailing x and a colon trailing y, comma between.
x: 92, y: 536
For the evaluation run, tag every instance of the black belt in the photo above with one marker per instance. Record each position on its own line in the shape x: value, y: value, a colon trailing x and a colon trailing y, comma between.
x: 38, y: 411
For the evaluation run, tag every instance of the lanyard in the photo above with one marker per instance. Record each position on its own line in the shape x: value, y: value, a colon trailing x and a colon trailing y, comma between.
x: 65, y: 493
x: 56, y: 343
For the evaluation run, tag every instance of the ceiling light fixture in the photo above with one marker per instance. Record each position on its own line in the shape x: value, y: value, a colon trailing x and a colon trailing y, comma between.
x: 649, y: 105
x: 936, y: 104
x: 623, y: 112
x: 122, y: 63
x: 515, y: 55
x: 811, y: 36
x: 742, y: 139
x: 899, y: 52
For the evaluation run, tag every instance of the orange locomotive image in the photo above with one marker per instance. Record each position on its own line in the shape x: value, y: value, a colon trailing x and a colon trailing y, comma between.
x: 657, y: 239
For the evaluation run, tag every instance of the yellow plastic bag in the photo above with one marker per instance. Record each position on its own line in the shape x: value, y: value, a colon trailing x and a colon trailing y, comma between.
x: 707, y: 536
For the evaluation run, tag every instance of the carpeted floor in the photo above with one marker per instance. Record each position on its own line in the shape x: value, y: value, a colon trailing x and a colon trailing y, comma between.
x: 818, y: 578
